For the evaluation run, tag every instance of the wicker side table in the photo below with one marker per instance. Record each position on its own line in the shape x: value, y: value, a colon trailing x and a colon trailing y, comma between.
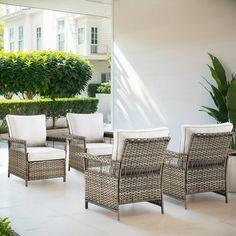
x: 231, y: 172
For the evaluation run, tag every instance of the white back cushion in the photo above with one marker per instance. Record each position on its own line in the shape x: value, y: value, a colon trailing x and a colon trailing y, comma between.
x: 188, y: 130
x: 32, y: 129
x: 88, y: 125
x: 121, y: 135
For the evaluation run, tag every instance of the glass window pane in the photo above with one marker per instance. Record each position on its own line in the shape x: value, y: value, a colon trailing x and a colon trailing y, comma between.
x: 81, y: 35
x: 60, y: 25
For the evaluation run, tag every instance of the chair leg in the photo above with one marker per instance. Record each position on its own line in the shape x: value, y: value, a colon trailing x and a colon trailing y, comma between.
x: 118, y: 214
x: 64, y: 179
x: 162, y: 209
x: 226, y: 197
x: 185, y: 203
x: 8, y: 174
x: 86, y: 204
x: 69, y: 168
x: 162, y: 205
x: 26, y: 183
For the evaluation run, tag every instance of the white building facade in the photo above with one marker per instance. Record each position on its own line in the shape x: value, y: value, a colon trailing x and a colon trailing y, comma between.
x: 28, y: 29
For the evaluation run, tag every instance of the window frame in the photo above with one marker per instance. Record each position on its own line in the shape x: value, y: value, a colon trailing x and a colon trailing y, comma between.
x: 61, y: 44
x: 94, y: 40
x: 11, y: 39
x: 21, y: 38
x: 81, y: 40
x: 38, y: 39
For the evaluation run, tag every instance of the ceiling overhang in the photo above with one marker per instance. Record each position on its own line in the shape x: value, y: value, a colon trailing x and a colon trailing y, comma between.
x: 100, y: 8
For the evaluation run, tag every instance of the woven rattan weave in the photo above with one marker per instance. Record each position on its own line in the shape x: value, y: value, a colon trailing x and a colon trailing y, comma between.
x: 77, y: 150
x: 136, y: 178
x: 203, y: 169
x: 34, y: 170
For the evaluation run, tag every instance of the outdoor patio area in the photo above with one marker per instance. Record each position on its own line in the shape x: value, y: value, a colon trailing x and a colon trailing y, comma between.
x: 117, y: 118
x: 51, y: 207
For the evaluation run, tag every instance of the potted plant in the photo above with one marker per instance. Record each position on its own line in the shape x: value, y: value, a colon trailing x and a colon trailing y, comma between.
x: 223, y: 95
x: 5, y: 228
x: 104, y: 96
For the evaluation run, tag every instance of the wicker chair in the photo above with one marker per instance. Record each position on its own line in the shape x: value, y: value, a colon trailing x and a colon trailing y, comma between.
x: 30, y: 158
x: 134, y: 174
x: 201, y: 165
x: 87, y: 136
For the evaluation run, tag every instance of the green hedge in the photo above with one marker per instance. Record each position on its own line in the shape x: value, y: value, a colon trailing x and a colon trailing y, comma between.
x: 52, y: 109
x: 92, y: 89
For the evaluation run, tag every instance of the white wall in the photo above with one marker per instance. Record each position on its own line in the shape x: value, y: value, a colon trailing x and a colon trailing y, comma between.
x: 15, y: 25
x: 36, y: 20
x: 99, y: 67
x: 160, y: 54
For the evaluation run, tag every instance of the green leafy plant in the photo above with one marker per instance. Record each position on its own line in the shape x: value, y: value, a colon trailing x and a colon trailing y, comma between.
x: 223, y: 95
x: 68, y: 74
x: 51, y: 108
x: 50, y: 74
x: 22, y: 74
x: 5, y: 229
x: 92, y: 89
x: 104, y: 88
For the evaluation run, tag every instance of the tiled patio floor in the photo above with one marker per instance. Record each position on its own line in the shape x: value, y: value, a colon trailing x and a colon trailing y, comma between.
x: 54, y: 208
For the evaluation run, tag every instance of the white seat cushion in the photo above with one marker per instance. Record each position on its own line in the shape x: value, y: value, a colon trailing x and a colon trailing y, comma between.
x: 121, y: 135
x: 32, y: 129
x: 88, y: 125
x: 99, y: 148
x: 44, y: 153
x: 188, y: 130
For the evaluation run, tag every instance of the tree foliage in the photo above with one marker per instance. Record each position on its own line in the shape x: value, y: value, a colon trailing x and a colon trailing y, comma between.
x: 46, y: 73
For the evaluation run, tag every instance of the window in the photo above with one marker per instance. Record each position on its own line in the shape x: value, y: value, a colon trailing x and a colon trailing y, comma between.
x: 7, y: 9
x: 94, y: 39
x: 11, y: 39
x: 105, y: 77
x: 39, y: 38
x: 61, y: 35
x: 20, y: 37
x: 81, y: 35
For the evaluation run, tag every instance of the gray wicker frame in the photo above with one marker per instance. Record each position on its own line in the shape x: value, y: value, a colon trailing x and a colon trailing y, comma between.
x: 203, y: 169
x: 20, y: 166
x: 77, y: 150
x: 136, y: 178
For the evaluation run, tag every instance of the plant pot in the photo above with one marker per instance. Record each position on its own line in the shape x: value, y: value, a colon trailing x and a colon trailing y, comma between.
x: 104, y: 106
x: 231, y: 173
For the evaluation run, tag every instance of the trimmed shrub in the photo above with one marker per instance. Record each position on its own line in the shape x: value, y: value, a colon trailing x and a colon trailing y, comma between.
x: 104, y: 88
x: 51, y: 108
x: 68, y: 74
x: 92, y: 90
x: 47, y: 73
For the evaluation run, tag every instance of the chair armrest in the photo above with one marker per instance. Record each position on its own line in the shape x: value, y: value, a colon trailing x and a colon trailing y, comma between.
x: 76, y: 140
x: 76, y: 137
x: 108, y: 134
x: 106, y: 159
x: 102, y: 165
x: 57, y: 138
x: 18, y: 145
x: 14, y: 140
